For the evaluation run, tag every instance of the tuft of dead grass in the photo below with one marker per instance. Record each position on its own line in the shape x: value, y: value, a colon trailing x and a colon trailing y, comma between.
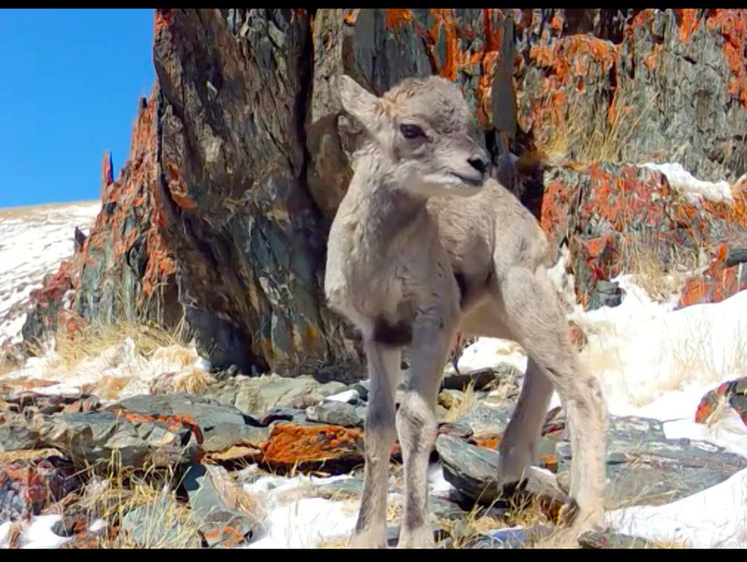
x: 108, y: 386
x: 660, y: 273
x: 192, y: 381
x: 7, y: 457
x: 465, y: 402
x: 519, y: 512
x: 586, y: 134
x: 94, y: 339
x: 115, y: 489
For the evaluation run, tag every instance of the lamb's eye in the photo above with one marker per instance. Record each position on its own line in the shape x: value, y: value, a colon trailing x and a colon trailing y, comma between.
x: 411, y: 131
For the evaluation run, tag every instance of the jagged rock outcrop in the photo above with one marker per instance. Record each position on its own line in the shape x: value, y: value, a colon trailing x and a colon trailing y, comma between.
x: 241, y: 156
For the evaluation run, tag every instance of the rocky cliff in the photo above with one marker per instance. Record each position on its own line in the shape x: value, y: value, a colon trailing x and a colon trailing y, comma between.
x: 241, y: 155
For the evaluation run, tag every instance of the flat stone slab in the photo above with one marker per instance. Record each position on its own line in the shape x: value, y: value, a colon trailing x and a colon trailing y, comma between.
x: 511, y: 537
x: 212, y: 495
x: 609, y: 539
x: 292, y: 445
x: 336, y: 413
x: 646, y: 468
x: 94, y: 436
x: 482, y: 420
x: 219, y: 426
x: 473, y: 472
x: 733, y: 393
x: 258, y: 396
x: 153, y: 526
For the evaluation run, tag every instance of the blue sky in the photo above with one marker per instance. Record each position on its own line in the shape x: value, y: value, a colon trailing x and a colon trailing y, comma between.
x: 70, y: 84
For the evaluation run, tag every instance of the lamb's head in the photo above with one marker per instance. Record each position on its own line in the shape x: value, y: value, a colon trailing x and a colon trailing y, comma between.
x: 424, y: 126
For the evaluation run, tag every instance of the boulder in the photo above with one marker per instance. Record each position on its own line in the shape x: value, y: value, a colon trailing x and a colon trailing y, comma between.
x: 481, y: 420
x: 336, y: 448
x: 27, y: 488
x: 646, y: 468
x: 336, y: 413
x: 218, y: 426
x: 215, y: 500
x: 473, y: 472
x: 614, y: 215
x: 157, y: 525
x: 258, y: 396
x: 51, y: 403
x: 95, y: 436
x: 733, y: 393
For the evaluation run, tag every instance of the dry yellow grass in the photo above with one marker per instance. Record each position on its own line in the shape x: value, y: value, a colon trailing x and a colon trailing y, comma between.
x: 28, y: 455
x: 93, y: 339
x: 585, y: 134
x: 108, y: 387
x: 462, y: 404
x: 661, y: 278
x: 192, y: 381
x: 120, y: 489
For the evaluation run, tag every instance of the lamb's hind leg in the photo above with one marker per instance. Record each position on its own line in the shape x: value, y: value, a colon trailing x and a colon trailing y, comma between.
x: 519, y: 440
x: 534, y: 317
x: 416, y: 425
x: 380, y: 435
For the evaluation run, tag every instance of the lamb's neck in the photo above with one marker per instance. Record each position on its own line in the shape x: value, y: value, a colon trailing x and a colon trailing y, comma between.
x: 388, y: 215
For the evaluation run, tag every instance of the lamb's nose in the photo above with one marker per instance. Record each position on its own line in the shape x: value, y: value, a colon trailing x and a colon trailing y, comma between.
x: 478, y: 163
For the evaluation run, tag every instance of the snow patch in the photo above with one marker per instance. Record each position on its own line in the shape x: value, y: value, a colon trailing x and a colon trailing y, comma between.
x: 655, y: 361
x: 491, y: 352
x: 344, y: 396
x: 37, y: 534
x: 33, y: 242
x: 716, y: 517
x: 694, y: 189
x: 117, y: 362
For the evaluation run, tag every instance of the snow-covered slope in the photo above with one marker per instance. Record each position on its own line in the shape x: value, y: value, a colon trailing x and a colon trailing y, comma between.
x: 33, y: 241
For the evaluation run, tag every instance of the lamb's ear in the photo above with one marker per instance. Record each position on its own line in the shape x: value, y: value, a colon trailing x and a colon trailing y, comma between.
x: 363, y: 105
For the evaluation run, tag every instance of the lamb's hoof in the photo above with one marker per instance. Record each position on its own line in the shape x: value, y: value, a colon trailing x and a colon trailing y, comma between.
x: 368, y: 539
x: 419, y: 538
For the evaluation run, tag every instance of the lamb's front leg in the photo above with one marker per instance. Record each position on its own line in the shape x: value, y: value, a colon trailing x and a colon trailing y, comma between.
x: 380, y: 435
x: 416, y: 426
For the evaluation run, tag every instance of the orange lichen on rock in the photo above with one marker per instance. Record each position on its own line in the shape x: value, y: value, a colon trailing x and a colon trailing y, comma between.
x: 557, y: 22
x: 568, y: 60
x: 227, y: 536
x: 289, y: 444
x: 732, y: 24
x: 688, y: 23
x: 488, y: 443
x: 351, y: 16
x: 703, y: 412
x: 161, y: 18
x: 548, y: 461
x: 444, y: 43
x: 395, y: 17
x: 575, y: 54
x: 130, y: 197
x: 175, y: 422
x: 715, y: 284
x: 177, y: 188
x: 636, y: 208
x: 55, y: 286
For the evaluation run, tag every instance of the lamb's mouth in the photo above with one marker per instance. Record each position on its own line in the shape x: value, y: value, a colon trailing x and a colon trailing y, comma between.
x: 469, y: 181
